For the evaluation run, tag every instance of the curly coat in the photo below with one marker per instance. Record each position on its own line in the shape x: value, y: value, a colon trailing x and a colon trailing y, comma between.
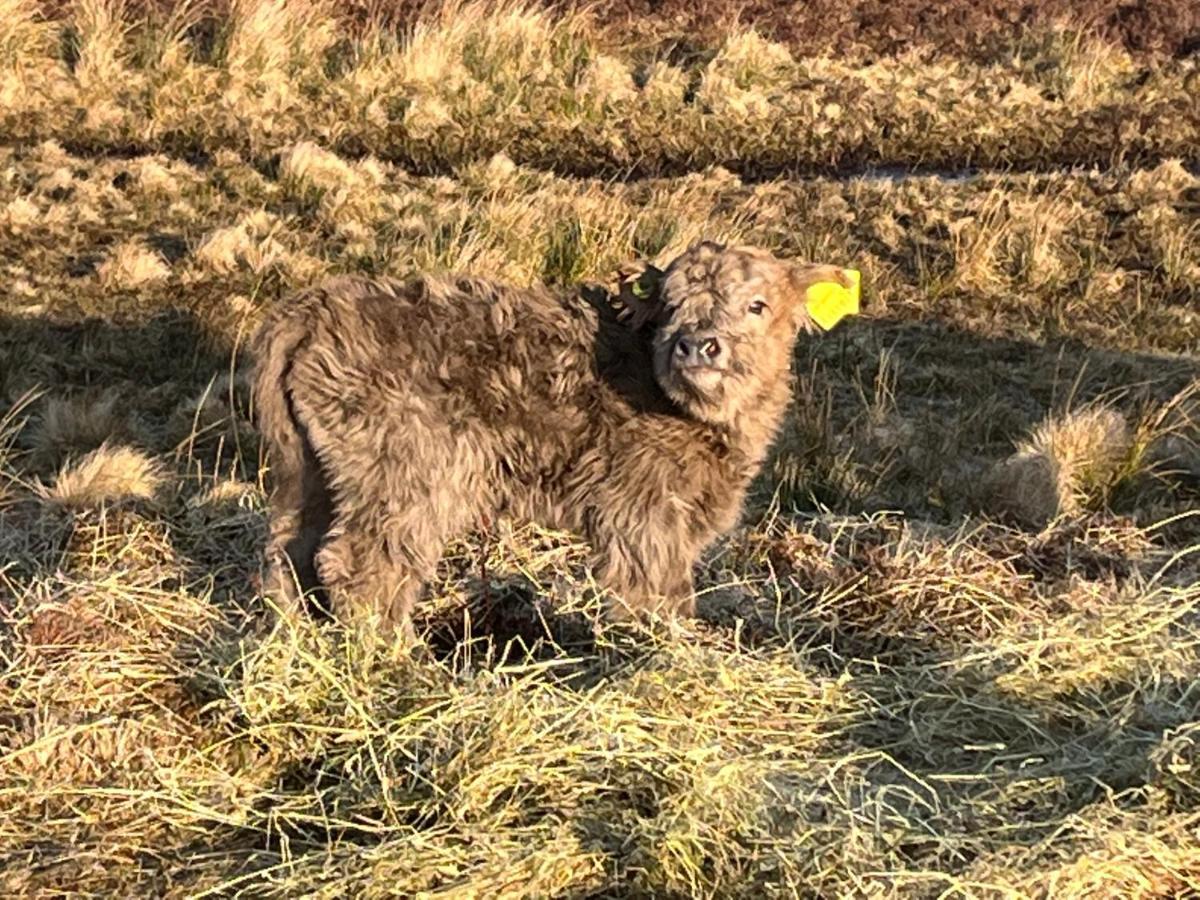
x: 397, y: 414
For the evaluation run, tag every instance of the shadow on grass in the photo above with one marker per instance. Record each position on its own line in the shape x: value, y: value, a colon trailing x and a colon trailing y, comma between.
x: 154, y: 367
x: 904, y: 416
x: 170, y: 353
x: 507, y: 620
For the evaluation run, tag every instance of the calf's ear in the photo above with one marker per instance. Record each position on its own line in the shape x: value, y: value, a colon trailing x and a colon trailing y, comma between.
x: 639, y: 297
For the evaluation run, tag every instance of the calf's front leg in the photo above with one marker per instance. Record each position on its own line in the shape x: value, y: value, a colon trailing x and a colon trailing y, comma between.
x: 643, y: 578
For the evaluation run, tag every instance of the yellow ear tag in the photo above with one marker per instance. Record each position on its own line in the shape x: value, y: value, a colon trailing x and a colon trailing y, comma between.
x: 828, y: 302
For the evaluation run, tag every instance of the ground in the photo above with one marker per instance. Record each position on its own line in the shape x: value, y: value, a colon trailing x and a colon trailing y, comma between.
x: 954, y: 648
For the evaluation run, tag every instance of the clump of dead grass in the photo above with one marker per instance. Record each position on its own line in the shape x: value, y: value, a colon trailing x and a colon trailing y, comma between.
x: 20, y: 214
x: 1027, y: 243
x: 251, y: 242
x: 107, y: 475
x: 1070, y: 463
x: 132, y: 265
x: 99, y: 29
x: 157, y: 176
x: 608, y: 80
x: 1075, y: 65
x: 1083, y: 460
x: 347, y: 195
x: 271, y: 42
x: 308, y: 166
x: 1172, y: 239
x: 736, y: 83
x: 72, y: 426
x: 24, y: 36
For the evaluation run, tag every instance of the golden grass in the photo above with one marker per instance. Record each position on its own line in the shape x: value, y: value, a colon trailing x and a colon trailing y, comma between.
x: 555, y: 92
x: 251, y: 244
x: 100, y: 34
x: 1068, y: 463
x: 23, y: 38
x: 273, y: 41
x: 889, y: 692
x: 131, y: 266
x: 1033, y: 255
x: 107, y: 474
x: 946, y: 742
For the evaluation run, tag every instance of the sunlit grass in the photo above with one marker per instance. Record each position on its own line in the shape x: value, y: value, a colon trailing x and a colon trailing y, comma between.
x: 951, y: 651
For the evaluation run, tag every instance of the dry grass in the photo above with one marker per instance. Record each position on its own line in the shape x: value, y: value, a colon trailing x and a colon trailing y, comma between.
x: 107, y: 475
x: 132, y: 265
x: 70, y: 426
x: 891, y: 691
x: 1068, y: 463
x: 983, y: 28
x: 1038, y: 256
x: 556, y: 93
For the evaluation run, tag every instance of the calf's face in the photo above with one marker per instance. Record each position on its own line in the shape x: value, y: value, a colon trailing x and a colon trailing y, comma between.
x: 726, y: 319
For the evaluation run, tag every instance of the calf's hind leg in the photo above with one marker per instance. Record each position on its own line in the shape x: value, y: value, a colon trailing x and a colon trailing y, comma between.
x: 380, y: 555
x: 301, y: 511
x: 404, y: 486
x: 368, y: 573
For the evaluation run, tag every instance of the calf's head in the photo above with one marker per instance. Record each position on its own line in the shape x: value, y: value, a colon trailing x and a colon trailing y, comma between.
x: 725, y: 320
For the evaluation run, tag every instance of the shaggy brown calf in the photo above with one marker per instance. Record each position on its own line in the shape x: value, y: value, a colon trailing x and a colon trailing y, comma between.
x: 397, y: 414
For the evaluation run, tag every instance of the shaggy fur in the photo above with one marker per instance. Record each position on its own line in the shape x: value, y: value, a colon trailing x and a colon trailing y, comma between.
x: 398, y: 414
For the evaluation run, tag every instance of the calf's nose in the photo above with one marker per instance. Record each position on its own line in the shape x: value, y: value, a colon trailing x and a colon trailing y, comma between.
x: 698, y: 349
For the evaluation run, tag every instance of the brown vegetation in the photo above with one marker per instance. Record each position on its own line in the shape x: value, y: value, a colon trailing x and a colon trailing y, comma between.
x: 888, y: 691
x: 556, y: 94
x: 816, y: 27
x: 885, y: 27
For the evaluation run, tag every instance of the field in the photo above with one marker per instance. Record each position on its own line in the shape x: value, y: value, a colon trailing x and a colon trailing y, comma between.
x: 954, y: 649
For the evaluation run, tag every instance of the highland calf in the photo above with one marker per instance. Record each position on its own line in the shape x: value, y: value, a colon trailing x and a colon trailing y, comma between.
x: 398, y: 414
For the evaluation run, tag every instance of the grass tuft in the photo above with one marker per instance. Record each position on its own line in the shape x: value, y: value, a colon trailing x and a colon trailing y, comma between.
x: 106, y: 475
x: 270, y: 42
x: 132, y: 265
x: 1070, y: 463
x: 76, y: 425
x: 24, y: 36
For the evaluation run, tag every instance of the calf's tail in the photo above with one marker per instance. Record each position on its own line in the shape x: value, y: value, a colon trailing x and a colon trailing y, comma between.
x: 273, y: 349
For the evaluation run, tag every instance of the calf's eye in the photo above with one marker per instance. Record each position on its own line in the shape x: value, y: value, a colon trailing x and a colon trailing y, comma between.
x: 758, y: 307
